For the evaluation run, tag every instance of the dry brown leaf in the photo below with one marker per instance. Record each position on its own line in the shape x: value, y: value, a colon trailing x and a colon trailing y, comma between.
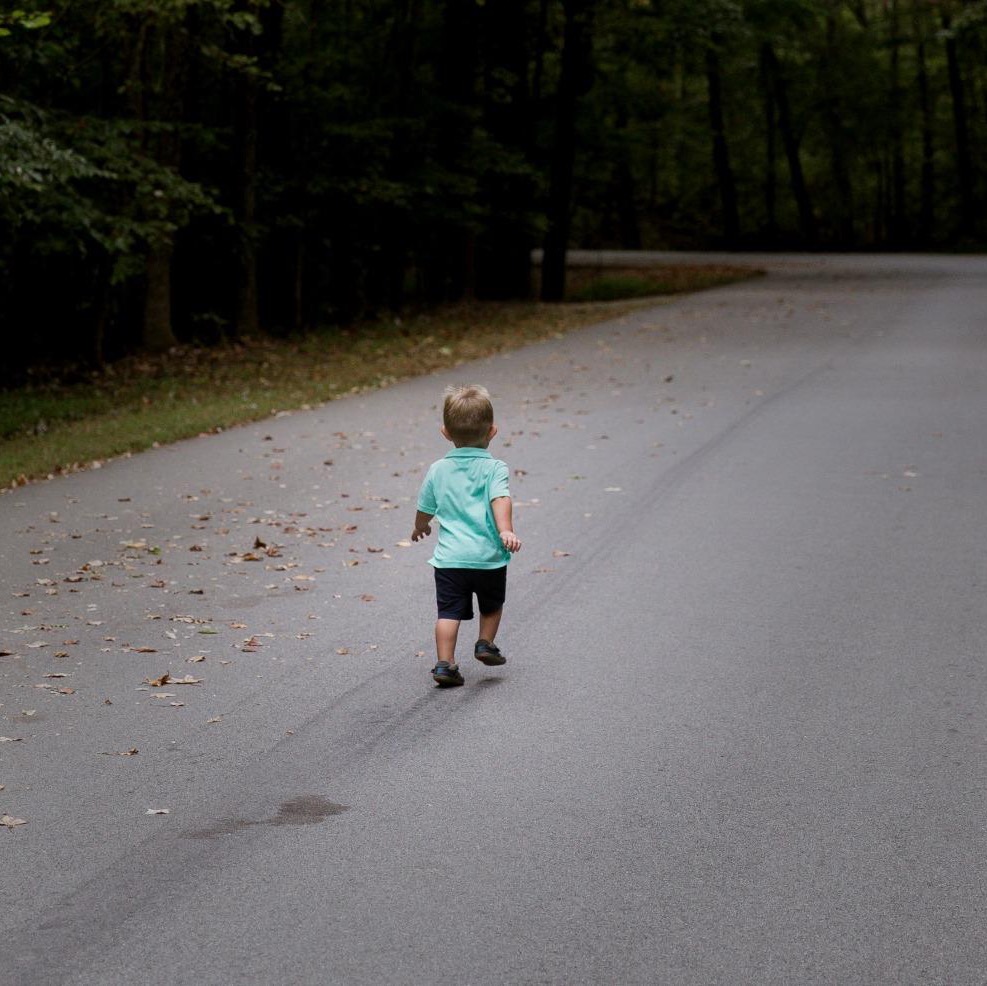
x: 158, y: 682
x: 132, y: 752
x: 158, y: 811
x: 198, y: 659
x: 187, y: 680
x: 560, y: 554
x: 66, y: 691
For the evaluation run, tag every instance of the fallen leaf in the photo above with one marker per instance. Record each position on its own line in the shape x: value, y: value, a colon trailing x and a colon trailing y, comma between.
x: 37, y: 644
x: 214, y: 719
x: 158, y: 811
x: 11, y: 739
x: 613, y: 489
x: 198, y: 659
x: 132, y: 752
x: 367, y: 598
x: 55, y: 674
x: 144, y: 650
x: 29, y: 712
x: 339, y: 650
x: 10, y: 822
x: 187, y: 680
x: 560, y: 554
x: 158, y: 682
x: 66, y: 691
x: 6, y: 653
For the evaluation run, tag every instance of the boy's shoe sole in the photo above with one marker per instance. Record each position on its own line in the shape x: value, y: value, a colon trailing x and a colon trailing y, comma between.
x: 447, y: 675
x: 488, y: 654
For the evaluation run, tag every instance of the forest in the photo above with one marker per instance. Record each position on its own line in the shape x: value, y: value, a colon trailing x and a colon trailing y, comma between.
x: 207, y: 170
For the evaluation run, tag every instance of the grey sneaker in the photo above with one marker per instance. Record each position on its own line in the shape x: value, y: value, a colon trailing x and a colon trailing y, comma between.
x: 488, y: 653
x: 446, y: 674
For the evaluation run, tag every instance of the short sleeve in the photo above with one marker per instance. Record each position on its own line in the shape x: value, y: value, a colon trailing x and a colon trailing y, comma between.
x: 426, y: 495
x: 499, y: 480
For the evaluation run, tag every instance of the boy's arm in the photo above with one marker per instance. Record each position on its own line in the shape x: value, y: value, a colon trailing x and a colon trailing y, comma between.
x: 423, y: 525
x: 502, y: 511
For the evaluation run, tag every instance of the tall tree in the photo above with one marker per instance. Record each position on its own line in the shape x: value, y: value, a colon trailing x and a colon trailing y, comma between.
x: 575, y: 79
x: 721, y: 152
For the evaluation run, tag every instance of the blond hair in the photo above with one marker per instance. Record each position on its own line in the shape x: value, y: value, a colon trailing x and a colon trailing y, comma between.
x: 467, y: 414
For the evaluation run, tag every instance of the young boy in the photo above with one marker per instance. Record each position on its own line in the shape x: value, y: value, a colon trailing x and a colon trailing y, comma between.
x: 468, y: 492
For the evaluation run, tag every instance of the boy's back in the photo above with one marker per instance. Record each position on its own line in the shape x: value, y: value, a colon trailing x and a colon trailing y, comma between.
x: 458, y: 490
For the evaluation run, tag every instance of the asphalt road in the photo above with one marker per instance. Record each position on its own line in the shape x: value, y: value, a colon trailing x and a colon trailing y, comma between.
x: 740, y: 737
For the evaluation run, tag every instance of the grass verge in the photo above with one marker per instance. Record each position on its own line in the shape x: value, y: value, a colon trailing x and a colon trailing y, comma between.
x: 139, y: 402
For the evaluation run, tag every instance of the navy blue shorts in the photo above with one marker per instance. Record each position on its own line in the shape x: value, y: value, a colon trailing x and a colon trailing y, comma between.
x: 455, y: 587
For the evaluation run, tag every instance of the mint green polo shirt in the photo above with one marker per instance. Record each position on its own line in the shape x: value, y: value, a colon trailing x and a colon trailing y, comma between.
x: 457, y: 491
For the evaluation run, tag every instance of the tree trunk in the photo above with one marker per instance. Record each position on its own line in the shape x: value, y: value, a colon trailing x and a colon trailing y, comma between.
x: 163, y: 102
x: 964, y: 165
x: 898, y: 224
x: 247, y: 317
x: 503, y: 248
x: 807, y: 221
x: 771, y: 155
x: 721, y: 152
x: 157, y: 333
x: 927, y: 206
x: 838, y: 144
x: 575, y: 80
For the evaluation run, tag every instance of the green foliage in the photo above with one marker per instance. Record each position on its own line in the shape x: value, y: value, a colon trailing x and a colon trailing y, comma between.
x: 329, y: 161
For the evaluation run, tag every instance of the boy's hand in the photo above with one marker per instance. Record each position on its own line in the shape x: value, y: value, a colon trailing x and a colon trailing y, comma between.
x: 418, y: 533
x: 510, y: 541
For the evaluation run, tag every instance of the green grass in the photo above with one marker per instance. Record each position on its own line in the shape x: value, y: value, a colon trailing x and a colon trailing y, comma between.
x: 57, y: 427
x: 609, y: 284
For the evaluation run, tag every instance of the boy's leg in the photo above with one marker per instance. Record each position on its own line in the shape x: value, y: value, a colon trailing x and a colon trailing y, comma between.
x: 489, y: 624
x: 446, y: 634
x: 491, y: 589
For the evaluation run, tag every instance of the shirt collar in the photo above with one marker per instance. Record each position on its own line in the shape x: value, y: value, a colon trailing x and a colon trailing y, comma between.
x: 468, y: 452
